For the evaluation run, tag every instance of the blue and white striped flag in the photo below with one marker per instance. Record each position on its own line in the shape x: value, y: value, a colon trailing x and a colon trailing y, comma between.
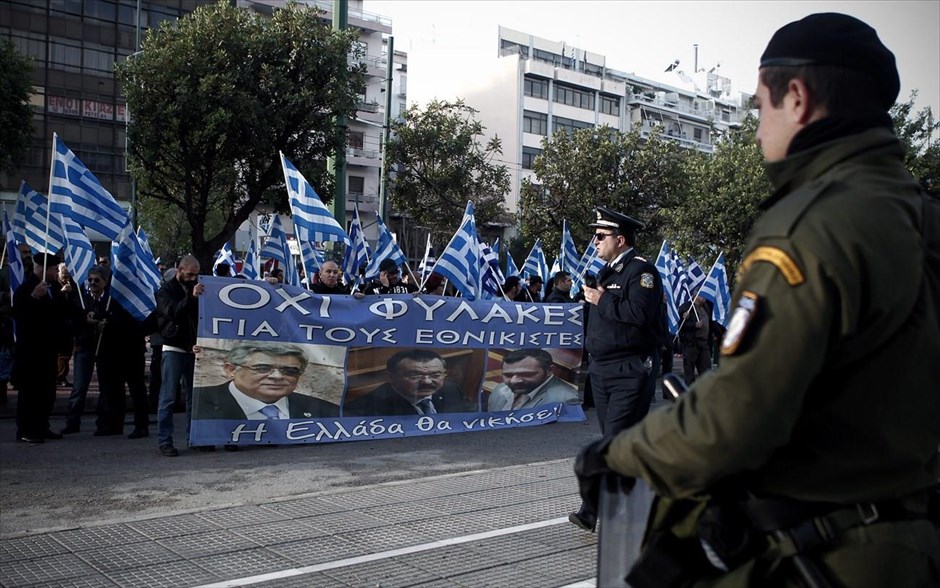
x: 665, y: 264
x: 79, y: 254
x: 569, y: 257
x: 276, y: 248
x: 460, y: 260
x: 145, y: 242
x: 313, y: 222
x: 29, y: 222
x: 556, y: 266
x: 386, y: 248
x: 428, y: 261
x: 130, y: 286
x: 535, y: 264
x: 224, y: 255
x: 250, y: 265
x: 511, y: 268
x: 491, y: 279
x: 680, y: 281
x: 695, y: 275
x: 590, y: 264
x: 78, y: 193
x: 715, y: 289
x: 13, y: 254
x: 357, y: 251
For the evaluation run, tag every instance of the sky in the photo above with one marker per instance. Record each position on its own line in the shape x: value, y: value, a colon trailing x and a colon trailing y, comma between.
x: 443, y: 36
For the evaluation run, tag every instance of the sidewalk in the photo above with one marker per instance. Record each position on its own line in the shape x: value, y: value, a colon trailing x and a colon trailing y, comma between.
x: 498, y: 527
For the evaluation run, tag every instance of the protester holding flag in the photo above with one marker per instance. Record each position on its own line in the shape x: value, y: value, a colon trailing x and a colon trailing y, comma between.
x: 621, y: 334
x: 695, y: 336
x: 40, y: 311
x: 389, y: 280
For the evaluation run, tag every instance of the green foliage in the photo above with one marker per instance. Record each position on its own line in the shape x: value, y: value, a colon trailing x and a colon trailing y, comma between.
x: 16, y: 117
x: 600, y: 167
x: 215, y: 96
x: 718, y: 210
x: 437, y: 163
x: 920, y: 135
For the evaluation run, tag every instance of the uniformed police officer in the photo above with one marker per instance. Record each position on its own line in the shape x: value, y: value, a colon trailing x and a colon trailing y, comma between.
x: 816, y: 439
x: 622, y: 331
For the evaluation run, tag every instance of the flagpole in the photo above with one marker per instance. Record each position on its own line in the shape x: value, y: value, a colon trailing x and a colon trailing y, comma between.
x: 49, y: 204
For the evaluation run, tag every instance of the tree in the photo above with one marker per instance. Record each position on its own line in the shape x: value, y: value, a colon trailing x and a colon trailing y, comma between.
x: 16, y: 117
x: 600, y: 167
x: 719, y: 206
x: 920, y: 135
x: 436, y: 163
x: 215, y: 96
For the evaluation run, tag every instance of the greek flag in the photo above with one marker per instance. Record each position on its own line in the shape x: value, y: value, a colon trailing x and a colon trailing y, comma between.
x: 386, y: 248
x: 250, y: 265
x: 460, y: 261
x: 145, y: 242
x: 511, y: 269
x: 569, y: 255
x: 13, y: 254
x: 665, y: 264
x: 590, y: 264
x: 78, y: 193
x: 313, y: 222
x: 130, y: 285
x: 276, y: 248
x: 556, y: 267
x: 535, y: 264
x: 695, y: 276
x: 715, y: 289
x: 357, y: 249
x: 428, y: 261
x: 224, y: 255
x: 680, y: 283
x: 29, y: 222
x: 491, y: 279
x: 79, y: 254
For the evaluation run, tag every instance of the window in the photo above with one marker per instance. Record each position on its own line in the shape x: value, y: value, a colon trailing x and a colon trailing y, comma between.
x: 357, y: 185
x: 610, y: 105
x: 528, y: 156
x: 65, y: 56
x: 573, y: 97
x: 535, y: 123
x: 567, y: 125
x: 699, y: 135
x: 536, y: 88
x: 356, y: 139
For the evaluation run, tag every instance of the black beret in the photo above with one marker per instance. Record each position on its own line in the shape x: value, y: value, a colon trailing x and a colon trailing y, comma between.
x: 609, y: 219
x: 389, y: 265
x: 838, y: 40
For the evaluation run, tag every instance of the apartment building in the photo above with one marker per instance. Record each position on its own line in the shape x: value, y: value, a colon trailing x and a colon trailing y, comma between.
x: 74, y: 45
x: 536, y: 87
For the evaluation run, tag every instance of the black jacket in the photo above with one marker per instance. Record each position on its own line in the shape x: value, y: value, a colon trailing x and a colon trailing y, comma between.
x: 178, y: 314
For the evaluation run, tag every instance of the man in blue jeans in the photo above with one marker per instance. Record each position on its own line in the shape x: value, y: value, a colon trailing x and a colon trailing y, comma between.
x: 178, y: 307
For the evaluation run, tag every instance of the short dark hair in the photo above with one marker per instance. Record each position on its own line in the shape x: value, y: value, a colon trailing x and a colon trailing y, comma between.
x: 511, y: 282
x: 840, y: 91
x: 419, y: 355
x: 540, y: 355
x: 561, y: 276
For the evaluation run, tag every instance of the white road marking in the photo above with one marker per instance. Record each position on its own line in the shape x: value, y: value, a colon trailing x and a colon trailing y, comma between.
x: 341, y: 563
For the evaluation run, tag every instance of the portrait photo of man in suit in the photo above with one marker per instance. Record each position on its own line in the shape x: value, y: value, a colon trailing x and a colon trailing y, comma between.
x: 262, y: 377
x: 416, y: 385
x: 528, y: 382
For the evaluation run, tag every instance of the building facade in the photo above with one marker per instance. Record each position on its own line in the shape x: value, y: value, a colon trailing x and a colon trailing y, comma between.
x: 536, y: 87
x: 74, y: 45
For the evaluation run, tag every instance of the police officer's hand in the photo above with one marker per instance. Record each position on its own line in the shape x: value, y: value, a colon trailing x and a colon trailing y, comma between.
x: 592, y: 295
x: 589, y: 467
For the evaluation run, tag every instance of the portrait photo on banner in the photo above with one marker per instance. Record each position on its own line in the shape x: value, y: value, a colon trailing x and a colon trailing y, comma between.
x: 530, y: 378
x: 404, y: 381
x: 239, y: 378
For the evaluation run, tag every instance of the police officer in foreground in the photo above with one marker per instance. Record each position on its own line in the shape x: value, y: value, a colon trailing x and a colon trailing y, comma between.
x: 810, y: 456
x: 623, y: 319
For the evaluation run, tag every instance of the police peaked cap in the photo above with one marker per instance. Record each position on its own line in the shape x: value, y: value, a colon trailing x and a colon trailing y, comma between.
x: 389, y: 265
x: 609, y: 219
x: 838, y: 40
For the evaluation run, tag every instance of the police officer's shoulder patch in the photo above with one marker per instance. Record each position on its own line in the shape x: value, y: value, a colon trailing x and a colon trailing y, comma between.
x: 740, y: 319
x: 647, y: 281
x: 777, y: 257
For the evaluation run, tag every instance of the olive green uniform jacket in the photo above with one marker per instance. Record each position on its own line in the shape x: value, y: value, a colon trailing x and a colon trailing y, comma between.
x: 829, y: 388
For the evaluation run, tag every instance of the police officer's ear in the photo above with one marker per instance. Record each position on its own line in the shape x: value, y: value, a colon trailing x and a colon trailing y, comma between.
x: 800, y: 103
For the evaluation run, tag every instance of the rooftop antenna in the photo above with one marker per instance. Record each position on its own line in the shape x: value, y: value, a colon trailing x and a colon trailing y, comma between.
x: 695, y: 46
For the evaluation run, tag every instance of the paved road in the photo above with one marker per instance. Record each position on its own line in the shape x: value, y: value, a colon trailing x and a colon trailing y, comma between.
x: 477, y: 509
